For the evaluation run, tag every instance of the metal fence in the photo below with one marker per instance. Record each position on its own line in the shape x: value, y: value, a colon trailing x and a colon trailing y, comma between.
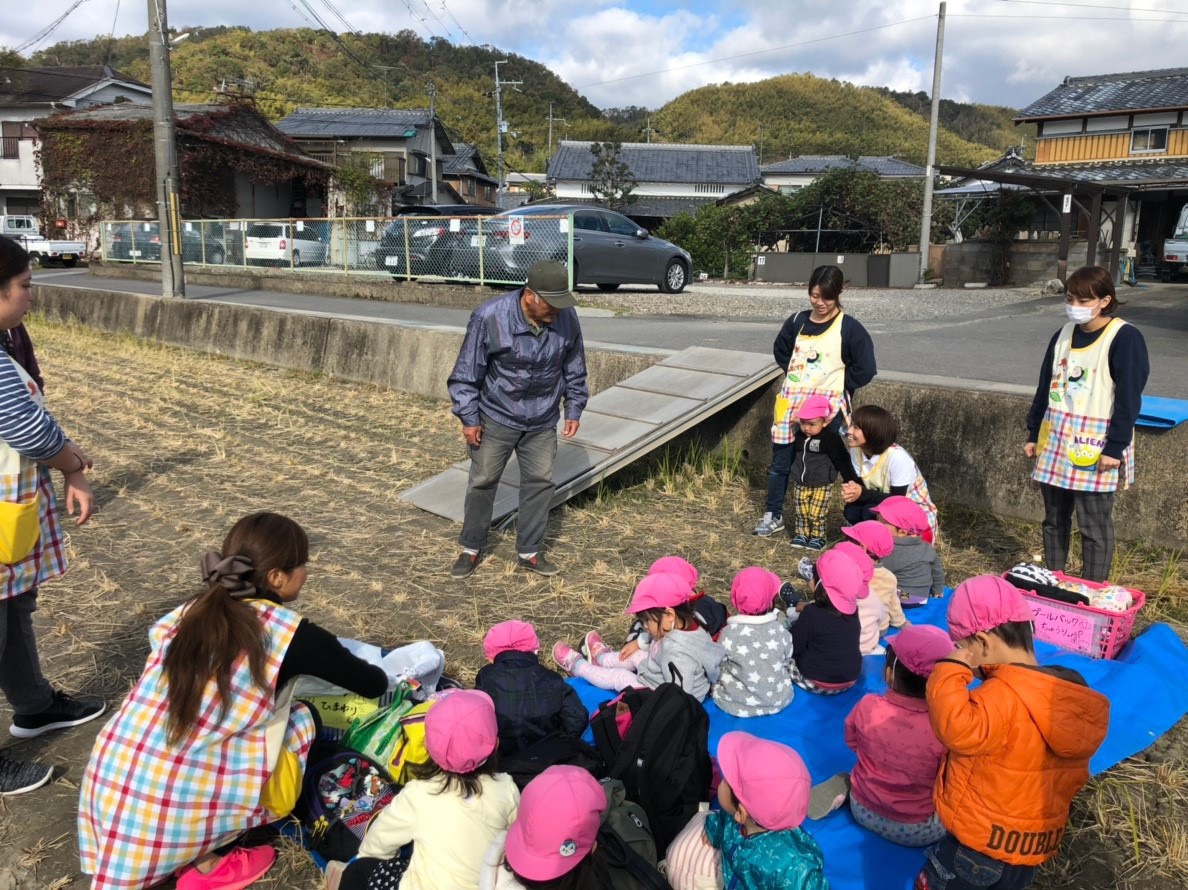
x: 484, y: 250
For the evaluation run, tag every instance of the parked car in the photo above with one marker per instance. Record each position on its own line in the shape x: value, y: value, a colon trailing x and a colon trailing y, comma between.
x: 205, y: 243
x: 141, y: 242
x: 609, y: 249
x: 282, y: 244
x: 422, y: 235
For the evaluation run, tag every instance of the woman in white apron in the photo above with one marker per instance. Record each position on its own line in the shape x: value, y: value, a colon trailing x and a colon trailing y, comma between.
x: 32, y: 546
x: 1080, y: 429
x: 823, y: 352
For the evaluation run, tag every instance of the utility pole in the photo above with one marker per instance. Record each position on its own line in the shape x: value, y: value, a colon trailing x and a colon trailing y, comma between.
x: 500, y: 123
x: 433, y: 142
x: 554, y: 120
x: 759, y: 143
x: 648, y: 129
x: 926, y: 217
x: 173, y: 281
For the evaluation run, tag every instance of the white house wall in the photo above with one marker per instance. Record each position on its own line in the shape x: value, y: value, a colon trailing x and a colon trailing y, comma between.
x: 572, y: 188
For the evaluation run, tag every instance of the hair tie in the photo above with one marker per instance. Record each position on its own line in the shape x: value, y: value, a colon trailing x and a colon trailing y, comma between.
x: 231, y: 573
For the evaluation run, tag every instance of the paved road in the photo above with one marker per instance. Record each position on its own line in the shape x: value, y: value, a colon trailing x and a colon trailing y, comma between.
x: 998, y: 339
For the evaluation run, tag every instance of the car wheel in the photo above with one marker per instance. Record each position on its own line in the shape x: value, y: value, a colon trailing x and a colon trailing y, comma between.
x: 70, y: 264
x: 296, y: 257
x: 676, y: 276
x: 215, y: 258
x: 607, y: 287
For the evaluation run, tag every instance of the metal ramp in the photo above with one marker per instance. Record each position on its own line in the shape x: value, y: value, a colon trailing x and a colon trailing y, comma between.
x: 618, y: 426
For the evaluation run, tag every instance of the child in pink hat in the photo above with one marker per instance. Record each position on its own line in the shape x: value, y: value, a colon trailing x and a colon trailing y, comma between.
x: 898, y: 754
x: 677, y: 641
x: 561, y: 838
x: 532, y: 702
x: 875, y: 538
x: 764, y: 795
x: 814, y: 458
x: 1018, y: 744
x: 450, y: 811
x: 756, y: 676
x: 870, y: 608
x: 710, y: 613
x: 914, y: 562
x: 825, y: 635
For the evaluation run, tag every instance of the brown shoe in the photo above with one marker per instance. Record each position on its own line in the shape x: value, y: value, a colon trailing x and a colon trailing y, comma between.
x: 465, y: 564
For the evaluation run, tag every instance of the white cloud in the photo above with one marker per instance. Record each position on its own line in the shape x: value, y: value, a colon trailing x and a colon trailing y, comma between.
x: 1007, y: 54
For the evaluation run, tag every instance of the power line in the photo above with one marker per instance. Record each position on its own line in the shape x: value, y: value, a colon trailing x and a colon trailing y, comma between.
x: 465, y: 33
x: 1095, y: 6
x: 437, y: 18
x: 50, y: 28
x: 111, y: 36
x: 757, y: 52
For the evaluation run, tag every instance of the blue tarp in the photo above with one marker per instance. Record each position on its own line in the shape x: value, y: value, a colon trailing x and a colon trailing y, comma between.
x: 1147, y: 695
x: 1161, y: 413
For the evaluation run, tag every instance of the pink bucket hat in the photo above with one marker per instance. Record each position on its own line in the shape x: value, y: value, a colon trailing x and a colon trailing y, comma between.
x: 873, y: 536
x: 767, y: 778
x: 659, y: 591
x: 560, y: 811
x: 676, y: 565
x: 920, y: 646
x: 984, y: 602
x: 510, y: 636
x: 864, y: 563
x: 814, y: 408
x: 460, y: 730
x: 753, y: 590
x: 842, y: 580
x: 903, y: 513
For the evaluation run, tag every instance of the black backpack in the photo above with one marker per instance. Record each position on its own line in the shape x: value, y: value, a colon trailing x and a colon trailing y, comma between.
x: 528, y: 763
x: 341, y: 793
x: 663, y: 759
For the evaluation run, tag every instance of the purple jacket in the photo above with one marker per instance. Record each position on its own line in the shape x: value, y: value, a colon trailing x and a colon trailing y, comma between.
x: 516, y: 377
x: 898, y: 756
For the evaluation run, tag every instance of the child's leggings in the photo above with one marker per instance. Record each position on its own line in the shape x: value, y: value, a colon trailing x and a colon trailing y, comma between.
x: 612, y: 672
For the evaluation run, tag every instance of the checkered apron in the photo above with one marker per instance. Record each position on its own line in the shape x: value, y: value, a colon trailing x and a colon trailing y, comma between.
x: 876, y: 479
x: 20, y: 478
x: 1080, y: 402
x: 815, y: 369
x: 148, y: 808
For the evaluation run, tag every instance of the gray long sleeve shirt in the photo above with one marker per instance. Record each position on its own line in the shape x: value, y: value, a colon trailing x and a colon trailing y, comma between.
x: 693, y: 653
x: 916, y: 567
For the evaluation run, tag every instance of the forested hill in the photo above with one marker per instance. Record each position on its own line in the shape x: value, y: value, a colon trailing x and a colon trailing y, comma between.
x: 788, y: 115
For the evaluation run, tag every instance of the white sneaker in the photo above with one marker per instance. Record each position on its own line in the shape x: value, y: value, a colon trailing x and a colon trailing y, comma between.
x: 769, y: 525
x: 805, y: 568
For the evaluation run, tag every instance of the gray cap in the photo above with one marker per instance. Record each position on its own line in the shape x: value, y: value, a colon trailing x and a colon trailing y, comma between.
x: 549, y: 280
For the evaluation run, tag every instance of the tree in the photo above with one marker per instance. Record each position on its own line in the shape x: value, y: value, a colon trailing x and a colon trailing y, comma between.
x: 611, y: 180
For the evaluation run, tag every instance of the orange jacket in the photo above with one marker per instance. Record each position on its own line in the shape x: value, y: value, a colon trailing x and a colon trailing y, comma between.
x: 1018, y: 749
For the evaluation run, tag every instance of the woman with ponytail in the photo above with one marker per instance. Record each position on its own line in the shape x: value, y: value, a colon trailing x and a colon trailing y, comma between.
x: 207, y: 745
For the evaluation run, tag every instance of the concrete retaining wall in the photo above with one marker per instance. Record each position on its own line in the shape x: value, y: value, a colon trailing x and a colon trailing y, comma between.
x: 1032, y: 262
x: 967, y: 440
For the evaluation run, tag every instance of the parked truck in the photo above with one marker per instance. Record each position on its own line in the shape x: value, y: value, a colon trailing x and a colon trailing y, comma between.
x: 42, y: 251
x: 1175, y: 249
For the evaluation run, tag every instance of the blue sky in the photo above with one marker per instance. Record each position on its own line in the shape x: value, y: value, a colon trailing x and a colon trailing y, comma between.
x: 646, y: 52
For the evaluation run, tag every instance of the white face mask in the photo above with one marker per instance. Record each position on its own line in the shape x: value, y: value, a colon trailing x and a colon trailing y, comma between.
x: 1079, y: 314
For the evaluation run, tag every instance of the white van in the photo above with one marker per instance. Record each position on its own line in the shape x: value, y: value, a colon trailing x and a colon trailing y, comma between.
x: 282, y: 244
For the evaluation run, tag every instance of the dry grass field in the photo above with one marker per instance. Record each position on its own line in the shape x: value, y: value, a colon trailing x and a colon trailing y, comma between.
x: 185, y: 443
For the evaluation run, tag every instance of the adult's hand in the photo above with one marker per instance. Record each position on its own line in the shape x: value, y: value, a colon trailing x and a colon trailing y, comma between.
x: 79, y: 497
x: 570, y: 429
x: 1029, y: 450
x: 851, y: 491
x: 473, y: 435
x: 1105, y: 463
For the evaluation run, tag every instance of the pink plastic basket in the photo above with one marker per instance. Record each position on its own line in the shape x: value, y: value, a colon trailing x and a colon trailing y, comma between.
x: 1097, y: 633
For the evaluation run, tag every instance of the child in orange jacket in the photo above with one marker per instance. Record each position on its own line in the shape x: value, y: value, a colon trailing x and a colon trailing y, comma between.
x: 1018, y: 746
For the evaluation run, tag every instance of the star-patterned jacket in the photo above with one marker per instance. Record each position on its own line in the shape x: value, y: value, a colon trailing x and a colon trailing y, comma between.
x: 755, y: 676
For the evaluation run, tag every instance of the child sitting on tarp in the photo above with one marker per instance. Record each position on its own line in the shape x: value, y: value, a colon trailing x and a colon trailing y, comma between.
x: 890, y: 788
x: 755, y: 678
x: 755, y: 841
x: 874, y: 537
x: 1018, y: 745
x: 454, y: 807
x: 680, y: 650
x: 914, y: 562
x: 870, y: 607
x: 825, y: 656
x: 710, y: 613
x: 531, y: 701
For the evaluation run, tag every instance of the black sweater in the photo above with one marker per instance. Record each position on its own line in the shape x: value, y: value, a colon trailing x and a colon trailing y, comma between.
x: 1129, y: 366
x: 858, y: 353
x: 825, y: 644
x: 815, y: 473
x: 531, y: 701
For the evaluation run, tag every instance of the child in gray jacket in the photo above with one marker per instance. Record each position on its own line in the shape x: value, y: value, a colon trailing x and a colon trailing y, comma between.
x: 755, y: 676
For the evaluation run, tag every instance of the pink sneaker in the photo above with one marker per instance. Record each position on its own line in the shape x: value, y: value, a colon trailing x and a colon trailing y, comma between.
x: 240, y: 868
x: 593, y: 647
x: 566, y: 657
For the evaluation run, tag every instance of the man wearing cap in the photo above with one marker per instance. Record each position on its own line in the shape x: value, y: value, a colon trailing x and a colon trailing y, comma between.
x: 522, y: 354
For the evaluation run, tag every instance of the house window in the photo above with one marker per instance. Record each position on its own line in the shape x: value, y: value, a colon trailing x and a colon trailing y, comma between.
x: 11, y: 133
x: 417, y: 165
x: 1150, y: 139
x: 585, y: 188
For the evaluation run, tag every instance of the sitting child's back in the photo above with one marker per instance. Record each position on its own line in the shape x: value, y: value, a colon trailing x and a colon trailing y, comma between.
x: 755, y: 677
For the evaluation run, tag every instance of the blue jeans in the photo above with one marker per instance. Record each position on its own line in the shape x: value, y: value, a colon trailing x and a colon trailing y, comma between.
x: 535, y: 453
x: 950, y: 865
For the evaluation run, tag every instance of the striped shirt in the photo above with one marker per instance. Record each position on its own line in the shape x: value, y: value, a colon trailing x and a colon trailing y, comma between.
x: 25, y: 425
